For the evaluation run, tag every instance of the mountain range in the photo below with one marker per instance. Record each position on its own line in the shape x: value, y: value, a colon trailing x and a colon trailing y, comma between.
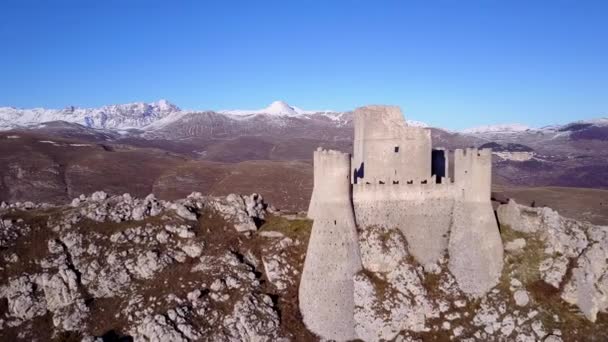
x: 155, y: 115
x: 56, y: 154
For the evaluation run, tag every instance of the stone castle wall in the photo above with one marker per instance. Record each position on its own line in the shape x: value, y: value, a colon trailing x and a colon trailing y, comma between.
x: 396, y: 180
x: 326, y: 292
x: 422, y: 212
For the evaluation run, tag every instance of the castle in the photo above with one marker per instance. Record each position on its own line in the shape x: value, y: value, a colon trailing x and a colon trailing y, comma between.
x: 438, y: 199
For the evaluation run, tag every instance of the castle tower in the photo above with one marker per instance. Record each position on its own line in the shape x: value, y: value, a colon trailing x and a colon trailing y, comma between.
x: 475, y: 247
x: 326, y: 291
x: 386, y: 150
x: 473, y: 173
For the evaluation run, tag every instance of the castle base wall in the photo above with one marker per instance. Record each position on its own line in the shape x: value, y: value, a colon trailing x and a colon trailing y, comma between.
x: 326, y: 292
x: 438, y: 220
x: 422, y: 212
x: 475, y: 248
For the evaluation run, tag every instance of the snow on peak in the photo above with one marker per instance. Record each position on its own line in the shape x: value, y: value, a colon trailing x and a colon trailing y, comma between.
x: 280, y: 108
x: 502, y: 128
x: 277, y: 108
x: 121, y: 116
x: 165, y: 105
x: 597, y: 121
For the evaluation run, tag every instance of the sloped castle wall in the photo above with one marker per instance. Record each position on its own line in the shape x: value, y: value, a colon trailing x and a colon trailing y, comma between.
x: 326, y: 292
x: 475, y: 247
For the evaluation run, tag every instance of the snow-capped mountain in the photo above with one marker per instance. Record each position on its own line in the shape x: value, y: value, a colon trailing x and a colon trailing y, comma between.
x: 164, y: 119
x: 279, y: 108
x: 157, y: 115
x: 519, y: 128
x: 123, y: 116
x: 501, y: 128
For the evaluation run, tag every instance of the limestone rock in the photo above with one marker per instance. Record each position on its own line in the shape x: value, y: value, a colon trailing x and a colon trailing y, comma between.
x: 553, y: 270
x: 589, y: 283
x: 382, y: 249
x: 521, y: 298
x: 99, y: 196
x: 245, y: 211
x: 184, y: 212
x: 515, y: 217
x: 159, y: 328
x: 253, y: 319
x: 23, y: 300
x: 515, y: 245
x: 567, y: 242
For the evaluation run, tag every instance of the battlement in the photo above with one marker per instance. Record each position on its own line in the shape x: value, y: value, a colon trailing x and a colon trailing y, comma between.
x: 473, y: 173
x: 331, y: 178
x: 473, y: 152
x: 328, y: 158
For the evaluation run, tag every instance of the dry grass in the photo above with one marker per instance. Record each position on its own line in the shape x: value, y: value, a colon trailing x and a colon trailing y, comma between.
x: 577, y: 203
x: 293, y: 228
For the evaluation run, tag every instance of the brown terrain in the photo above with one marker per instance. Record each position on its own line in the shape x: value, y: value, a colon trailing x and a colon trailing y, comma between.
x: 213, y: 154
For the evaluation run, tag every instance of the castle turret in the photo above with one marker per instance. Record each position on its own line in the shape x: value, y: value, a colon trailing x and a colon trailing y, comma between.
x: 473, y: 173
x: 475, y: 247
x: 326, y: 291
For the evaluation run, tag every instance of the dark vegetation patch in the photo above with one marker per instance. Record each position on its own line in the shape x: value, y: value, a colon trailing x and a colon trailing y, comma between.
x: 573, y: 127
x: 591, y: 133
x: 104, y: 316
x: 509, y: 147
x: 592, y: 176
x: 298, y: 228
x: 37, y: 329
x: 31, y: 246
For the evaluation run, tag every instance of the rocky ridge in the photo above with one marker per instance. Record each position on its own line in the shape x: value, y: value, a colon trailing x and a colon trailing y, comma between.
x: 227, y: 268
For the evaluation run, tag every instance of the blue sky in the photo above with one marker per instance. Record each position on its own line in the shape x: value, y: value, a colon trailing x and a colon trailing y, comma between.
x: 453, y: 64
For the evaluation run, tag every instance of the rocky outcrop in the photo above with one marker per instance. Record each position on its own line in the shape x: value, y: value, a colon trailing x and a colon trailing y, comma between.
x: 167, y: 277
x: 151, y: 259
x: 389, y: 295
x: 574, y: 254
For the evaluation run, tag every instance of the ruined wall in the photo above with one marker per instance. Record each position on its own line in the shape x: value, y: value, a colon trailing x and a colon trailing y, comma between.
x: 387, y: 150
x: 423, y: 212
x: 326, y: 293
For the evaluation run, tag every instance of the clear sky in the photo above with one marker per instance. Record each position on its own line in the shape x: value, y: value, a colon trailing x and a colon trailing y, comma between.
x: 452, y: 64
